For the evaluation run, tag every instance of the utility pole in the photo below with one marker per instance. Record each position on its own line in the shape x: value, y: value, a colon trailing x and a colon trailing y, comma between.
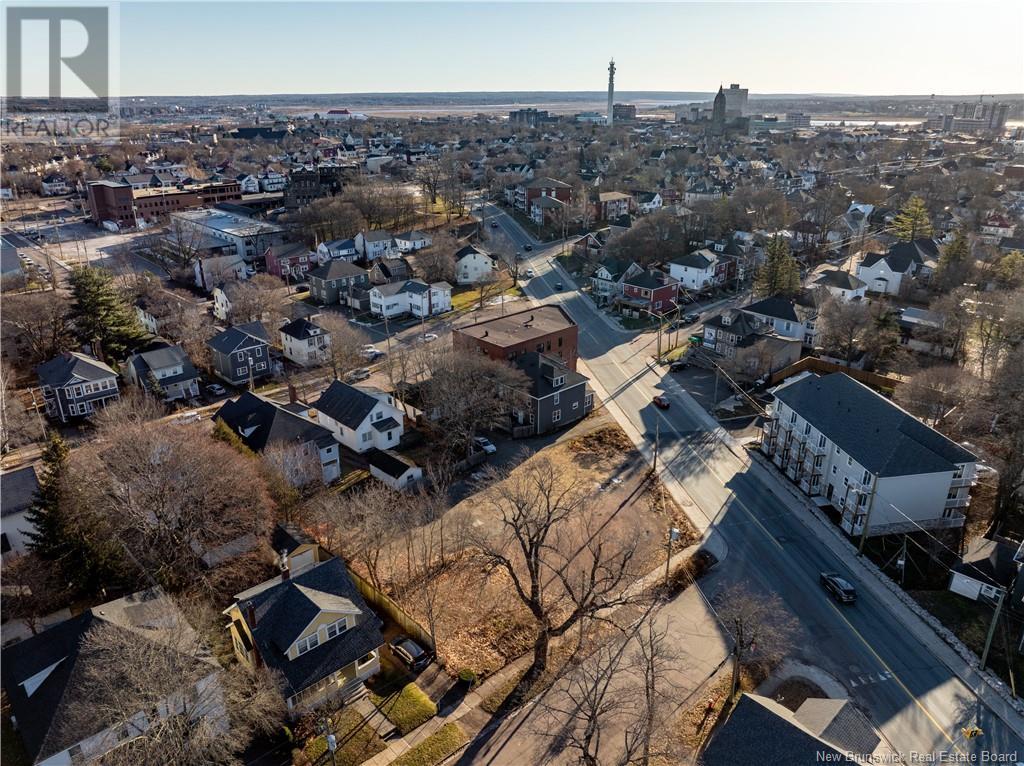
x: 673, y: 535
x: 657, y: 440
x: 992, y: 627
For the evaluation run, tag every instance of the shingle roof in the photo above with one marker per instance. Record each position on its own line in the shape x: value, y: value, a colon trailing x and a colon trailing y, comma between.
x: 346, y: 404
x: 285, y: 609
x: 839, y: 723
x: 17, y: 490
x: 989, y: 561
x: 842, y: 280
x: 377, y: 235
x: 775, y: 306
x: 538, y: 368
x: 161, y: 357
x: 336, y: 269
x: 545, y: 183
x: 240, y: 336
x: 302, y: 329
x: 259, y: 422
x: 391, y: 463
x: 696, y: 260
x: 71, y: 365
x: 882, y: 437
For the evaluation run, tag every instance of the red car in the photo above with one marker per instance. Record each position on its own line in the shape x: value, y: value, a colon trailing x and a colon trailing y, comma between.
x: 661, y: 402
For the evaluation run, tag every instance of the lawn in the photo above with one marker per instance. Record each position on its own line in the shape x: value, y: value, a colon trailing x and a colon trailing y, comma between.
x: 467, y: 298
x: 633, y: 323
x: 408, y: 708
x: 434, y: 748
x: 357, y: 741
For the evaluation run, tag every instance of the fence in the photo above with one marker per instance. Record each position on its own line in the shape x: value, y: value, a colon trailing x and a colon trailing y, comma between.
x: 385, y: 604
x: 813, y: 364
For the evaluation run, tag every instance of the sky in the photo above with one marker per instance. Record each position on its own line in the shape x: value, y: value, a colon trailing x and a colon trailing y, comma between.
x: 200, y: 48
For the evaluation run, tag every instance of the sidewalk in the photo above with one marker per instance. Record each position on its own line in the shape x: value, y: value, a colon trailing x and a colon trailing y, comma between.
x: 992, y: 692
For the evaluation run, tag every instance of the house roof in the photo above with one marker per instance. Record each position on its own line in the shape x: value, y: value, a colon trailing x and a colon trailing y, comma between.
x: 162, y: 356
x: 540, y: 368
x: 701, y: 259
x: 17, y: 490
x: 302, y: 329
x: 47, y: 675
x: 288, y: 537
x: 469, y: 250
x: 259, y: 421
x: 390, y: 463
x: 387, y: 424
x: 775, y: 306
x: 841, y: 280
x: 989, y: 561
x: 239, y: 337
x: 346, y: 404
x: 762, y: 731
x: 838, y: 722
x: 519, y: 327
x: 340, y: 244
x: 738, y: 323
x: 287, y: 250
x: 72, y: 365
x: 377, y: 235
x: 612, y: 196
x: 412, y: 236
x: 545, y: 182
x: 284, y: 609
x: 616, y: 266
x: 882, y: 437
x: 649, y: 279
x: 336, y: 269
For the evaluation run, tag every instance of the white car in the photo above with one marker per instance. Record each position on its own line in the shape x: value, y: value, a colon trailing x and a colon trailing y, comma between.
x: 188, y: 417
x: 530, y: 273
x: 429, y: 337
x: 483, y: 443
x: 368, y: 351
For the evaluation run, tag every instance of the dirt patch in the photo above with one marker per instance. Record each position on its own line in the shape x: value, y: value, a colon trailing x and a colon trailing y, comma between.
x: 605, y: 443
x: 793, y: 691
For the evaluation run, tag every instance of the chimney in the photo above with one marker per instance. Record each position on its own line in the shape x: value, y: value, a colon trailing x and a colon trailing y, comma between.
x: 250, y: 614
x: 485, y: 333
x: 285, y: 569
x: 292, y: 396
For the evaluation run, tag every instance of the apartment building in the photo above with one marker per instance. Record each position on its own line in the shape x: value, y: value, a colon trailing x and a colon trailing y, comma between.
x: 872, y: 461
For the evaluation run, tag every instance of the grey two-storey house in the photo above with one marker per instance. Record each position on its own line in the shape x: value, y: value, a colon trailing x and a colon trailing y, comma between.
x: 75, y: 384
x: 241, y: 354
x: 335, y: 281
x: 552, y: 396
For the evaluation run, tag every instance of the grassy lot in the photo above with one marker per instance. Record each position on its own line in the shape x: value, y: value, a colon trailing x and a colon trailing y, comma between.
x: 571, y: 263
x: 408, y: 708
x: 12, y: 752
x: 467, y: 297
x: 357, y: 742
x: 632, y: 323
x: 969, y: 621
x: 434, y: 748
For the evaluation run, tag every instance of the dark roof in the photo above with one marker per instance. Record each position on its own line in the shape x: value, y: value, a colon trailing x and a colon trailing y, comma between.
x: 468, y: 250
x: 545, y: 183
x: 17, y: 490
x: 387, y: 424
x: 302, y: 329
x: 616, y: 266
x: 541, y: 368
x: 336, y: 268
x: 989, y: 561
x: 70, y: 365
x: 519, y: 327
x: 762, y: 731
x: 283, y: 610
x: 839, y: 723
x: 739, y: 324
x: 160, y: 357
x: 259, y: 422
x: 842, y: 280
x: 346, y: 404
x: 288, y: 537
x: 391, y: 463
x: 41, y: 715
x: 885, y: 439
x: 241, y: 336
x: 648, y: 279
x: 694, y: 260
x: 775, y: 306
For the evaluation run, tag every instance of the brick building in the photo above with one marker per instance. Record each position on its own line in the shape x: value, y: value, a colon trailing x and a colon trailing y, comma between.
x: 543, y: 329
x: 127, y: 206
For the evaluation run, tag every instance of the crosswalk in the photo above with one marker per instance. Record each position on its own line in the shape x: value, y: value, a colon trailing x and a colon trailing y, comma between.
x: 869, y: 679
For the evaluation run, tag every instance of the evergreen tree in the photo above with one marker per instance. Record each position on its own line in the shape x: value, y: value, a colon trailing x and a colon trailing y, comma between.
x: 955, y: 263
x: 913, y: 221
x: 46, y: 534
x: 1010, y: 270
x: 101, y: 315
x: 155, y: 387
x: 780, y: 273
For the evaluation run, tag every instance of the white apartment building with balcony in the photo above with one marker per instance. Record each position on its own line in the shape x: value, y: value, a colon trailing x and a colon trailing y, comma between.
x: 872, y: 461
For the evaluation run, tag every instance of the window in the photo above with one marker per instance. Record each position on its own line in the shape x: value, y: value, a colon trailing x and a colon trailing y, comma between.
x: 833, y: 470
x: 367, y: 436
x: 866, y: 478
x: 821, y: 440
x: 792, y: 417
x: 849, y: 461
x: 575, y: 405
x: 959, y: 472
x: 5, y: 544
x: 862, y: 500
x: 951, y: 495
x: 557, y: 398
x: 807, y: 429
x: 818, y: 460
x: 366, y: 659
x: 239, y: 356
x: 77, y: 391
x: 305, y: 644
x: 261, y: 365
x: 337, y: 628
x: 839, y: 451
x: 242, y: 371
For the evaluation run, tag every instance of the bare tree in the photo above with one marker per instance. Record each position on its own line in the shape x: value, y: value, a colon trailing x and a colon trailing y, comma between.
x: 936, y: 393
x: 38, y: 323
x: 343, y: 351
x: 561, y: 568
x: 297, y: 464
x: 259, y: 299
x: 842, y: 325
x: 437, y: 262
x: 164, y: 698
x: 18, y: 425
x: 760, y: 627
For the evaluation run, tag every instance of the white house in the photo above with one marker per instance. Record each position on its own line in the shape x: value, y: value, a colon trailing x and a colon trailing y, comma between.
x: 19, y: 488
x: 881, y: 468
x: 695, y: 271
x: 411, y: 241
x: 648, y: 202
x: 375, y: 244
x: 414, y: 296
x: 337, y: 249
x: 986, y: 568
x: 55, y: 184
x: 272, y: 181
x: 304, y: 342
x: 249, y: 183
x: 210, y: 272
x: 473, y: 265
x: 842, y: 284
x: 361, y: 418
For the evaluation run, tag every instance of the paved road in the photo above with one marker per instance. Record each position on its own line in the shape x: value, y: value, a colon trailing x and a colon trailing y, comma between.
x: 917, y: 702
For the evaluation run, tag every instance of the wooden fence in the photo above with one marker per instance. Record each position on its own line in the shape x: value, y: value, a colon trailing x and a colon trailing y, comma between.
x: 813, y: 364
x: 388, y: 606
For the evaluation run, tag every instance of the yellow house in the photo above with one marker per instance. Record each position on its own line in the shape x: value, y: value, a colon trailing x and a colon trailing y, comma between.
x: 313, y: 626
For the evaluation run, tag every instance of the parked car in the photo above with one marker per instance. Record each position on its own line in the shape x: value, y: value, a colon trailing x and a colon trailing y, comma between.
x: 428, y: 337
x: 188, y: 417
x: 369, y: 352
x: 409, y: 653
x: 482, y: 442
x: 528, y: 248
x: 692, y: 317
x: 357, y: 375
x: 558, y: 285
x: 840, y: 589
x: 494, y: 224
x: 530, y: 273
x: 661, y: 402
x: 216, y: 389
x: 679, y: 365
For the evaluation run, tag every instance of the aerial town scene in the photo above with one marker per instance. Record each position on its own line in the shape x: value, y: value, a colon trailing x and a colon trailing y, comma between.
x: 512, y: 384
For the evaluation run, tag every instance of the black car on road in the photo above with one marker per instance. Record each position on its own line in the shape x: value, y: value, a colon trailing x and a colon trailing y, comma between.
x: 841, y: 590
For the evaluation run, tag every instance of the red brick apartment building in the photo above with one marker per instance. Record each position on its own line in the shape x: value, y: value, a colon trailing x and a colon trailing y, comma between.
x: 544, y: 329
x: 125, y: 206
